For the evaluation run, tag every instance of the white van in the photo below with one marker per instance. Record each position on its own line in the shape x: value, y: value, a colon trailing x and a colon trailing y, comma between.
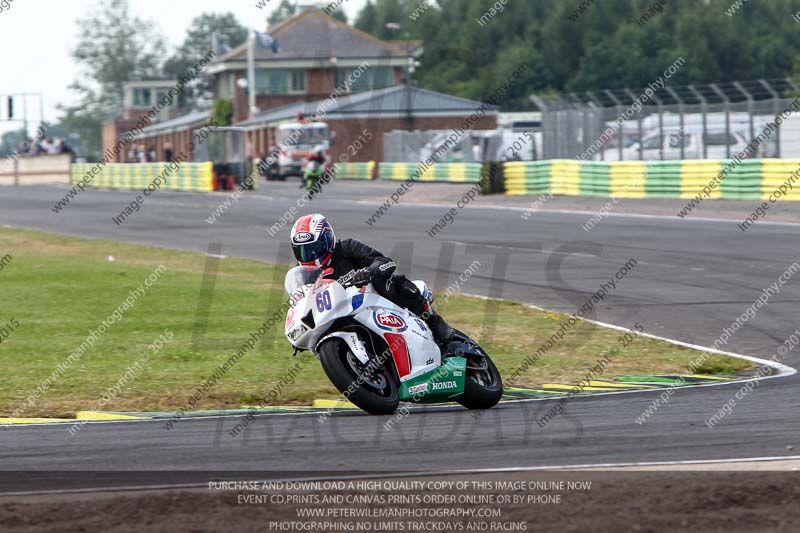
x: 790, y: 137
x: 693, y: 142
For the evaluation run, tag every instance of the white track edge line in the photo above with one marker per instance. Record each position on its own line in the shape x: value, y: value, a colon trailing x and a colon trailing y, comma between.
x: 783, y: 370
x: 586, y: 213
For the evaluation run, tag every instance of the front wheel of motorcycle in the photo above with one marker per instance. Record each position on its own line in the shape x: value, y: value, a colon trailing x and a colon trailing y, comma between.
x: 483, y: 386
x: 373, y: 390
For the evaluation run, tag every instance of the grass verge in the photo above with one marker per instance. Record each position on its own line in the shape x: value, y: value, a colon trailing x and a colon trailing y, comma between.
x: 57, y: 289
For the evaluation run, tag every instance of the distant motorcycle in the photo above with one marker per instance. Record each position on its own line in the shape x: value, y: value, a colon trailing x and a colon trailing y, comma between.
x: 312, y: 175
x: 378, y: 354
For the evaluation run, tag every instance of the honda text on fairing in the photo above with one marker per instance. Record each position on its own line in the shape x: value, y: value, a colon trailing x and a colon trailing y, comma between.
x: 377, y: 353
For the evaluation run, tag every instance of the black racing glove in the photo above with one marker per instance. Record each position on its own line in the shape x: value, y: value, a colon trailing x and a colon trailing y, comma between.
x: 362, y: 277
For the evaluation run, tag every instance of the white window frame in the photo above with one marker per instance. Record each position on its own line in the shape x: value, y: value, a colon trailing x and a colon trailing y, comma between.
x: 303, y: 76
x: 344, y: 73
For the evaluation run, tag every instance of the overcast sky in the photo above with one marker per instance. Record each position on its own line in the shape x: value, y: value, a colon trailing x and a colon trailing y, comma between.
x: 37, y: 36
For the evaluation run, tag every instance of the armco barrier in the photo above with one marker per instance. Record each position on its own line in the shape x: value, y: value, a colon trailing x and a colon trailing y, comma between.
x: 444, y: 172
x: 355, y: 171
x: 179, y: 177
x: 749, y: 179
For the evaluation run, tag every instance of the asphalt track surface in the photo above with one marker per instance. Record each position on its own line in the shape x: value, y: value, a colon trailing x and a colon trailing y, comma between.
x: 692, y: 279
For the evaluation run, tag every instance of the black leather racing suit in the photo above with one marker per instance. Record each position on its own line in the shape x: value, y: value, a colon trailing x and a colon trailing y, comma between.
x: 350, y: 254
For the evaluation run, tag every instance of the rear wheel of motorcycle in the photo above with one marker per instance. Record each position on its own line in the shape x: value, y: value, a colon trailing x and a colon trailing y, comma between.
x: 483, y: 386
x: 377, y: 396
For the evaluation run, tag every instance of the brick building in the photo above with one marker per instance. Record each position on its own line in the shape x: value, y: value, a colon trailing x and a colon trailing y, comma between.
x: 349, y: 79
x: 139, y: 98
x: 375, y: 112
x: 316, y: 54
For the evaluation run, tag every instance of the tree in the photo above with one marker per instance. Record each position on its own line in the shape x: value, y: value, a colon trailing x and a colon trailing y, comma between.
x: 396, y: 11
x: 115, y: 47
x: 339, y: 14
x: 367, y: 18
x: 83, y: 132
x: 284, y: 10
x: 11, y: 142
x: 197, y: 44
x: 222, y: 112
x: 470, y: 45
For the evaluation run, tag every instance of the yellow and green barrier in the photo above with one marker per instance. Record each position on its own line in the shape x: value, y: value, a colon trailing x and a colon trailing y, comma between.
x: 442, y: 172
x: 179, y: 177
x: 748, y: 179
x: 527, y: 177
x: 355, y: 171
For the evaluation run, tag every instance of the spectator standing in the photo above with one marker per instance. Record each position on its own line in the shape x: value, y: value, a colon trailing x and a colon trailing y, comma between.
x: 168, y: 154
x: 477, y: 152
x: 67, y: 149
x: 53, y: 147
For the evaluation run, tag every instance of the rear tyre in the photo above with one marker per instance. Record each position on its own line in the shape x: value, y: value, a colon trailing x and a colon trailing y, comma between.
x: 374, y: 391
x: 483, y: 386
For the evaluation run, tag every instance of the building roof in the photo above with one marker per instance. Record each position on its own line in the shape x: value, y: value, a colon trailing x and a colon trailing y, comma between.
x: 150, y: 83
x: 177, y: 124
x: 383, y: 103
x: 311, y: 34
x: 414, y: 46
x: 395, y: 101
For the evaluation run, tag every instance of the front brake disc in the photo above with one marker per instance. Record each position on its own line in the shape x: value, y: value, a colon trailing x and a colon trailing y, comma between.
x: 378, y: 382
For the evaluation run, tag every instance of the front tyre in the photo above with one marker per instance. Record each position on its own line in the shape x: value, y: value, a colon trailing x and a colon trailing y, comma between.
x: 373, y: 390
x: 483, y: 386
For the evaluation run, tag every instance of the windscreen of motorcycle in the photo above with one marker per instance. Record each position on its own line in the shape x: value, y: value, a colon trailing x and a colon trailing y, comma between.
x: 297, y: 277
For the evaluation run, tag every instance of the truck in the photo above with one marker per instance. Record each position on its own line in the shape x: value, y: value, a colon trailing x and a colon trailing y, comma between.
x: 296, y: 140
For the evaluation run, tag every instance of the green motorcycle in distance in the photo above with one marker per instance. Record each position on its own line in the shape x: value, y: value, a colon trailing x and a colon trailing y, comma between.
x: 312, y: 176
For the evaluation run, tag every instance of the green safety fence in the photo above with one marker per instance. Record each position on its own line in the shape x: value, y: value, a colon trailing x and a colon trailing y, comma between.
x: 745, y: 179
x: 443, y: 172
x: 171, y: 176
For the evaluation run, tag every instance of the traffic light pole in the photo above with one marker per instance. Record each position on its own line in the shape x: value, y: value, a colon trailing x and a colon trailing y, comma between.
x: 10, y: 98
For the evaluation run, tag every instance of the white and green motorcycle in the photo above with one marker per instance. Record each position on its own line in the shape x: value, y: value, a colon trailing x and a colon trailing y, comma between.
x: 378, y: 354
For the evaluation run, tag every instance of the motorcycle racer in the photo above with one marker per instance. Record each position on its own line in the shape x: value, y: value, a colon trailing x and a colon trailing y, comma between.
x: 315, y: 247
x: 315, y: 167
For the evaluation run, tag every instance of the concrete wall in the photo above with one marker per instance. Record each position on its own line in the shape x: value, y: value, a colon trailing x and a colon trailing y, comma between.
x: 37, y: 170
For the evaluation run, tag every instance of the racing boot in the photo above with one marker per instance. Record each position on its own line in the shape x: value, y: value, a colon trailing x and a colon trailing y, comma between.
x: 442, y: 332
